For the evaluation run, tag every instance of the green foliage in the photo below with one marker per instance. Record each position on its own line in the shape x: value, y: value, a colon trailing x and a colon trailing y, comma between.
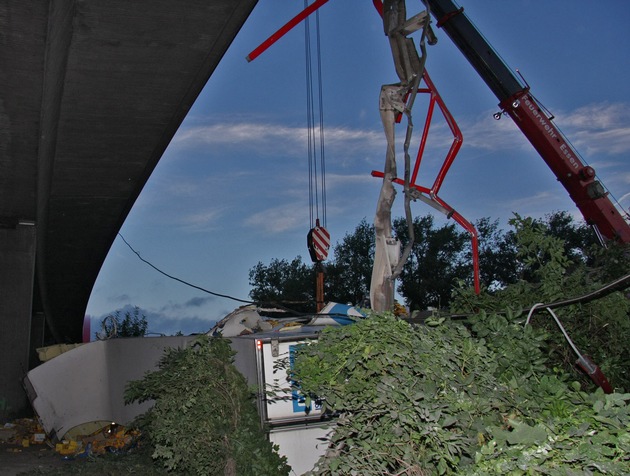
x: 436, y: 262
x: 497, y: 254
x: 407, y: 399
x: 291, y: 283
x: 204, y: 420
x: 542, y: 256
x: 441, y: 257
x: 348, y: 276
x: 578, y: 238
x: 440, y: 399
x: 132, y: 324
x: 598, y: 328
x: 579, y: 434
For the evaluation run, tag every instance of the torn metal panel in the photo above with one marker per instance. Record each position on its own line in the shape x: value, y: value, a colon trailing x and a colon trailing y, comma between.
x: 87, y: 383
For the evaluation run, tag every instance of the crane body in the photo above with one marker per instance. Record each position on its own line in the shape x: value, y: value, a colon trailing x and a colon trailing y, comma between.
x: 536, y: 124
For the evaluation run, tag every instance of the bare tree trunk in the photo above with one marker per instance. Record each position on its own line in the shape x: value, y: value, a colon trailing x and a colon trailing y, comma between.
x: 409, y: 67
x: 382, y: 286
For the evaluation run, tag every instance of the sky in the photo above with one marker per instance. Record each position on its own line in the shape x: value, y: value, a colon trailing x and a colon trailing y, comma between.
x: 231, y: 190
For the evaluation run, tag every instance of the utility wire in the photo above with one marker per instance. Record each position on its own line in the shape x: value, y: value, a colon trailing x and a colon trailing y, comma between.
x: 181, y: 280
x: 257, y: 303
x: 618, y: 284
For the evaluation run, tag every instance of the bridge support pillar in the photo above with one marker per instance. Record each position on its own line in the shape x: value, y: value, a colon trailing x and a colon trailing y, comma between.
x: 17, y: 270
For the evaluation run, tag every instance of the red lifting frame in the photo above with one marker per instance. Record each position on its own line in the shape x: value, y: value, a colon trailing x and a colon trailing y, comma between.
x: 431, y: 194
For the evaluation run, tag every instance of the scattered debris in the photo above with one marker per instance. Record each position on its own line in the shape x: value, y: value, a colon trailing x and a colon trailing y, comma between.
x: 50, y: 352
x: 112, y: 438
x: 23, y: 433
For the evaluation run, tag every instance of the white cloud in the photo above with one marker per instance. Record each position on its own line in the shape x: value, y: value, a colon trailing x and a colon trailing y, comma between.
x: 598, y: 116
x: 119, y: 298
x: 180, y: 188
x: 598, y: 128
x: 201, y: 218
x: 278, y: 219
x: 347, y: 144
x: 168, y: 320
x: 486, y: 133
x: 534, y: 205
x: 610, y: 142
x: 199, y: 301
x: 341, y: 180
x: 593, y: 129
x: 272, y: 138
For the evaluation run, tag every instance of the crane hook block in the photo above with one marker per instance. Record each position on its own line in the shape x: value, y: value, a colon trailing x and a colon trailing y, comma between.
x: 318, y: 242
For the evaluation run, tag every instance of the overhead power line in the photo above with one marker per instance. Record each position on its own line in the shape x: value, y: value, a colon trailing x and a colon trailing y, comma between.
x: 181, y: 280
x: 293, y: 313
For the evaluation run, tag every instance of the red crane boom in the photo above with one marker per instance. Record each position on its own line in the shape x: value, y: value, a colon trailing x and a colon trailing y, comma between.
x: 516, y: 101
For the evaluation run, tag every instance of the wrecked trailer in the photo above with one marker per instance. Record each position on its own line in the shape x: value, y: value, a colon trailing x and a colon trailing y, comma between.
x: 84, y: 387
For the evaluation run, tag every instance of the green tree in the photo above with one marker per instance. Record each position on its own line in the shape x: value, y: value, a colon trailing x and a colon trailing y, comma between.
x: 290, y: 283
x: 437, y: 261
x: 204, y: 420
x: 578, y: 238
x: 598, y: 328
x: 440, y: 258
x: 348, y: 275
x: 497, y: 255
x: 454, y: 398
x: 131, y: 324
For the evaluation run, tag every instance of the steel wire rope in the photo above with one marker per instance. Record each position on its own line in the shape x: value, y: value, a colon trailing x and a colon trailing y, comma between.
x: 312, y: 191
x: 322, y: 153
x: 315, y: 132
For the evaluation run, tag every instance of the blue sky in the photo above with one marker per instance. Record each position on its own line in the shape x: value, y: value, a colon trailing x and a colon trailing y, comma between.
x: 232, y: 188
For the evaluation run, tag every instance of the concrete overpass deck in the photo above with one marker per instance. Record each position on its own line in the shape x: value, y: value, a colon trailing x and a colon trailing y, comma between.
x: 91, y: 93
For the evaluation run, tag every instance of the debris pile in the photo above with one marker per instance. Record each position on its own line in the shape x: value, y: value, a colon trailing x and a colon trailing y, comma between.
x: 22, y: 433
x: 112, y: 438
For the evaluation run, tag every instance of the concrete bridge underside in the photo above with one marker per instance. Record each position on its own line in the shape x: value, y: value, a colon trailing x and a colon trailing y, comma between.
x: 91, y: 93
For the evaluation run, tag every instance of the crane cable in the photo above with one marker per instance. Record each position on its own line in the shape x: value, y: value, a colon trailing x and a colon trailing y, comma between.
x: 315, y: 132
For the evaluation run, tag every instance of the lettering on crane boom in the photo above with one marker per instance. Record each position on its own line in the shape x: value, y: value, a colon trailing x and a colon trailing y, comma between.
x: 551, y: 131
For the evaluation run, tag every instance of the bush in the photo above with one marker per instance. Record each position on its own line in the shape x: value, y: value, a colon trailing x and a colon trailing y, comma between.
x: 204, y: 420
x: 133, y: 324
x: 437, y: 400
x: 598, y: 328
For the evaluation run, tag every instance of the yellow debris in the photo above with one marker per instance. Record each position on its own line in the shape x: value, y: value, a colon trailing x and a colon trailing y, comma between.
x: 66, y: 448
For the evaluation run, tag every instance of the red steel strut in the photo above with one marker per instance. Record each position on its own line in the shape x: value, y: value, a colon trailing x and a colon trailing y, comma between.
x: 430, y: 195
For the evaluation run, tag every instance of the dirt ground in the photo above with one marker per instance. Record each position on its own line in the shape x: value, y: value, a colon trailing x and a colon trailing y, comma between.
x: 24, y: 447
x: 25, y: 450
x: 15, y: 460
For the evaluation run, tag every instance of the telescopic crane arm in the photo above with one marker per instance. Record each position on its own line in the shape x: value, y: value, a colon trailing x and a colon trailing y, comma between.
x: 516, y: 101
